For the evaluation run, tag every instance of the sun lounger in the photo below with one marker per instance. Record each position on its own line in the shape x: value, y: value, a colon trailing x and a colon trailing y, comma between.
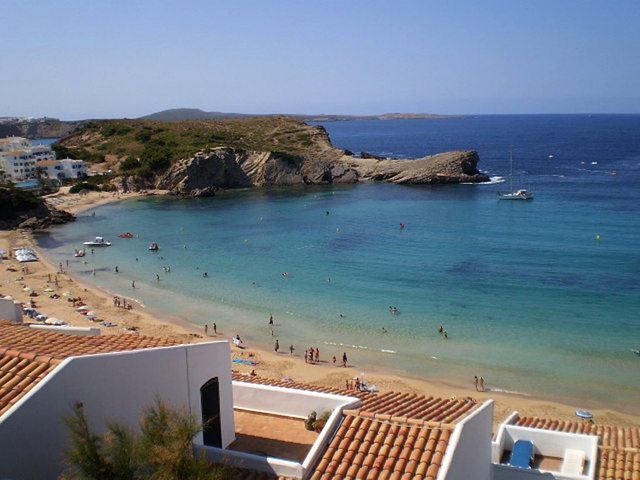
x: 522, y: 454
x: 573, y: 462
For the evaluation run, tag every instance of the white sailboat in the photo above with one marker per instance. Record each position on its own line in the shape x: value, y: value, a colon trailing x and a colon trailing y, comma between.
x: 521, y: 193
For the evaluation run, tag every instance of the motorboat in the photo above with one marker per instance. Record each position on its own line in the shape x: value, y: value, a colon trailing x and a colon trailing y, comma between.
x: 79, y: 253
x: 153, y: 246
x: 98, y: 242
x: 126, y: 235
x: 25, y: 254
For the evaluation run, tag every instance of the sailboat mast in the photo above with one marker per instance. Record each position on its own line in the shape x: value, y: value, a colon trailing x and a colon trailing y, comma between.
x: 511, y: 170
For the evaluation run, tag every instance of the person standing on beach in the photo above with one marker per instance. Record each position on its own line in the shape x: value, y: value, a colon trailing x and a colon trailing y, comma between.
x: 206, y: 330
x: 277, y: 346
x: 133, y: 284
x: 215, y: 329
x: 476, y: 380
x: 291, y: 349
x: 271, y: 320
x: 481, y: 384
x: 344, y: 359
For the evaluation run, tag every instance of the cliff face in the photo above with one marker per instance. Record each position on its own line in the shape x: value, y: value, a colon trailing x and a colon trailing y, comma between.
x: 221, y: 168
x: 19, y: 209
x: 449, y: 167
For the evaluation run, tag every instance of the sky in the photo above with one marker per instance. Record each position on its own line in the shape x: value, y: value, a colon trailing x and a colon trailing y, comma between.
x: 78, y: 59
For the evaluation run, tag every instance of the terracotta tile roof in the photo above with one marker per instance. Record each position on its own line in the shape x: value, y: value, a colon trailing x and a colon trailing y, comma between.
x: 618, y: 447
x: 27, y: 355
x: 410, y: 407
x: 391, y: 435
x: 22, y: 339
x: 369, y: 448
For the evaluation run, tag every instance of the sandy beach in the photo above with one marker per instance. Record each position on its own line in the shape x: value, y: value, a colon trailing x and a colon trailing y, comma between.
x: 18, y: 279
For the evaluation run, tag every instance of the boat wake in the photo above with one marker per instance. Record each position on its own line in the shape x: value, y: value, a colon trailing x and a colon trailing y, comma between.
x: 360, y: 347
x: 510, y: 392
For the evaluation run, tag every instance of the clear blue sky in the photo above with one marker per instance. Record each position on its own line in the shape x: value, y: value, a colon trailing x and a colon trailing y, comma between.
x: 76, y: 59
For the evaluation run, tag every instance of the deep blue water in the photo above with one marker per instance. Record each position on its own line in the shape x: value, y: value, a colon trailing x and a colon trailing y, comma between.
x: 531, y: 299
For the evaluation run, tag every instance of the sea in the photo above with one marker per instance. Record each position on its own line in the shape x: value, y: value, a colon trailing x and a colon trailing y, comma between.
x: 539, y: 297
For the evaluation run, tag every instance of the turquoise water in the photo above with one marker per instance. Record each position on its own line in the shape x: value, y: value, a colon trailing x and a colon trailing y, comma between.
x: 531, y: 300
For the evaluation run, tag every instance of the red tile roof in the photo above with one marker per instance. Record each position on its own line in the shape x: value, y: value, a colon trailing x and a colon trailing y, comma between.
x: 618, y: 447
x: 391, y: 435
x: 27, y: 355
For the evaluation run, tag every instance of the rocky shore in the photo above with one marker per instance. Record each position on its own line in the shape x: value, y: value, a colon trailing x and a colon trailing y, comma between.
x: 224, y: 167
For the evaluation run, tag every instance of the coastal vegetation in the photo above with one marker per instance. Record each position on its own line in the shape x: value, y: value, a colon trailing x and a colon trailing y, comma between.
x: 160, y: 449
x: 21, y: 208
x: 148, y: 147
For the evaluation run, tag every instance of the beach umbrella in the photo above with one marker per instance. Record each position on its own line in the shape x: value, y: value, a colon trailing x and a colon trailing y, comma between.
x: 91, y: 312
x: 48, y: 289
x: 67, y: 294
x: 83, y: 307
x: 27, y: 289
x: 53, y: 321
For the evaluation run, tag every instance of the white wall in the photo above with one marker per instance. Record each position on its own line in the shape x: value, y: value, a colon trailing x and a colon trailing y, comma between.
x: 10, y: 310
x: 286, y: 401
x: 468, y: 454
x: 548, y: 443
x: 112, y: 387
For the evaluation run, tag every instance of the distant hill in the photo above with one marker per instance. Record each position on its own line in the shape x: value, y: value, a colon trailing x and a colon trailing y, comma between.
x: 179, y: 114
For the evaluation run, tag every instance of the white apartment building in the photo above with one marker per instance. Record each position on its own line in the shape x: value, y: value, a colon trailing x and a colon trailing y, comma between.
x: 61, y: 169
x: 20, y: 159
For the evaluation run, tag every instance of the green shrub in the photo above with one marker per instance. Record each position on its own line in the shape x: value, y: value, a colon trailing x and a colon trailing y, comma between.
x: 160, y: 449
x: 84, y: 186
x: 129, y: 163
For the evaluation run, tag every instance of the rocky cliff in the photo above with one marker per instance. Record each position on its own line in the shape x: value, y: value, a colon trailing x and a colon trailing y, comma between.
x: 223, y: 167
x: 20, y: 209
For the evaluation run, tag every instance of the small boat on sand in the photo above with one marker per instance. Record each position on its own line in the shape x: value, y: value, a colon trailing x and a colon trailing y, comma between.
x: 98, y: 242
x: 153, y: 246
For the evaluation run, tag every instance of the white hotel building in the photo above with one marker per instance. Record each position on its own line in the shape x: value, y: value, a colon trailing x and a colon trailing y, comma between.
x: 20, y: 159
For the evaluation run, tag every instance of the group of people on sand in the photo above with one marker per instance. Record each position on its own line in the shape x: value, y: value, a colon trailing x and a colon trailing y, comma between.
x: 122, y: 302
x: 479, y: 381
x: 312, y: 355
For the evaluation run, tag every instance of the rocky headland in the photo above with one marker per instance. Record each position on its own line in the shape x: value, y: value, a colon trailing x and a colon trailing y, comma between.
x: 224, y: 168
x: 200, y: 157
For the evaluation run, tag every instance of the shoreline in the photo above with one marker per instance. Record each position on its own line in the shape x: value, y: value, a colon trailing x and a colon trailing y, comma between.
x: 271, y: 364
